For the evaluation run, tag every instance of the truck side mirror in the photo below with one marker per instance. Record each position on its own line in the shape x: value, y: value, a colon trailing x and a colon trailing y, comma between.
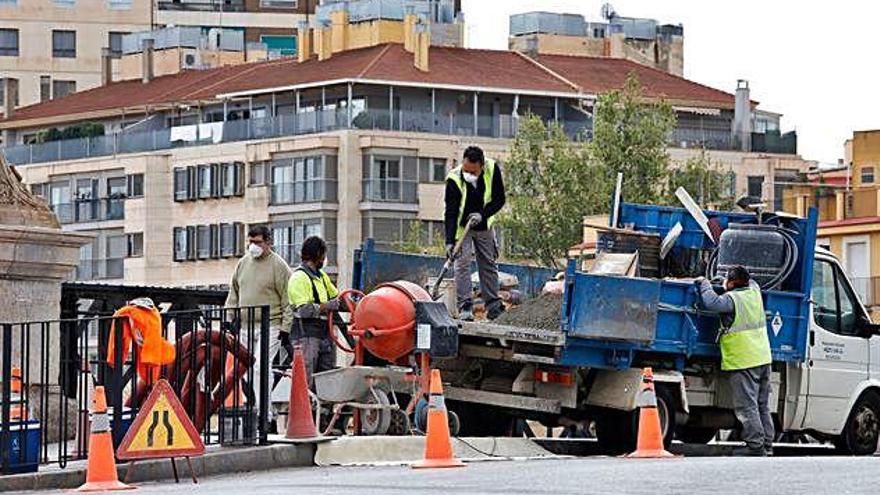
x: 867, y: 327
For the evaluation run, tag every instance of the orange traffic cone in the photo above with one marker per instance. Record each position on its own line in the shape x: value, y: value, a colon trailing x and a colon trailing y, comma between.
x: 438, y: 445
x: 17, y: 412
x: 650, y: 440
x: 231, y: 400
x: 300, y: 423
x: 16, y: 380
x: 101, y: 471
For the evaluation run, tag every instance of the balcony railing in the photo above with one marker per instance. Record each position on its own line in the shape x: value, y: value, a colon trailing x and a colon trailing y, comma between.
x: 304, y: 192
x: 90, y: 210
x: 203, y: 5
x: 100, y: 269
x: 503, y: 126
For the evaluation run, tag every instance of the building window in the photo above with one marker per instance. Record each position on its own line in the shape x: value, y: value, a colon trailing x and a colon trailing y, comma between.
x: 114, y: 42
x: 756, y: 186
x: 206, y: 181
x: 45, y: 88
x: 281, y: 45
x: 257, y: 174
x: 231, y: 239
x: 231, y: 179
x: 279, y: 4
x: 303, y: 180
x: 60, y: 89
x: 117, y: 248
x: 288, y: 238
x: 432, y: 170
x: 63, y: 44
x: 135, y: 245
x: 203, y: 240
x: 867, y: 175
x: 383, y: 182
x: 181, y: 184
x: 388, y: 232
x: 65, y: 3
x: 9, y: 42
x: 180, y: 244
x: 119, y: 4
x: 135, y: 185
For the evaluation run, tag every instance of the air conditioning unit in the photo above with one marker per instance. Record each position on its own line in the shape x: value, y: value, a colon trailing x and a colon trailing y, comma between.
x: 191, y: 60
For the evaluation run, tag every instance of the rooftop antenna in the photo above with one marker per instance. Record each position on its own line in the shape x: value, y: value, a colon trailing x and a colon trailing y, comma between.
x: 608, y: 12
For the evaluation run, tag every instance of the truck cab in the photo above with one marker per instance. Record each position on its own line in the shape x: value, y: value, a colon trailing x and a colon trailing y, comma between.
x: 839, y: 392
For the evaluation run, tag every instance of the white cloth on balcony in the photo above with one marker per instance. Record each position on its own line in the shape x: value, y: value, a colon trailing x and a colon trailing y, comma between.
x: 183, y: 133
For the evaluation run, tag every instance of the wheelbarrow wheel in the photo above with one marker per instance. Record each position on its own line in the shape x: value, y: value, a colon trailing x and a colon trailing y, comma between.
x: 400, y: 424
x: 376, y: 421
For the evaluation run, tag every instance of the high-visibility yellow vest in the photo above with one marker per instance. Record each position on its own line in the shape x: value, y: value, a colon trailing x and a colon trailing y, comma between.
x: 456, y: 178
x: 746, y: 344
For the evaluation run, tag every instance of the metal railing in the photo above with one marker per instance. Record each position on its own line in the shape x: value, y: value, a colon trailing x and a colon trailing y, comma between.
x: 308, y: 191
x: 503, y: 126
x: 204, y: 5
x: 48, y: 369
x: 90, y: 210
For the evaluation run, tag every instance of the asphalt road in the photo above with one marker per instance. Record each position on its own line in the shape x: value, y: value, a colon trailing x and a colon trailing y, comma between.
x: 795, y: 475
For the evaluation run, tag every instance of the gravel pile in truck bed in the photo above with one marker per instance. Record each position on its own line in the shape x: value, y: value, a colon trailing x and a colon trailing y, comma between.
x: 540, y: 312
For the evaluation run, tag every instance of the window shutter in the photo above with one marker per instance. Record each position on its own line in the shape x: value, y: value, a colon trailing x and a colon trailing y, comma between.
x: 215, y: 180
x: 215, y: 240
x: 191, y: 242
x: 192, y: 182
x: 179, y: 252
x: 239, y: 178
x: 238, y: 238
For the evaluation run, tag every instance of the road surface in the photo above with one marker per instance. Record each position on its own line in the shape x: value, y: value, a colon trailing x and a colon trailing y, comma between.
x: 795, y: 475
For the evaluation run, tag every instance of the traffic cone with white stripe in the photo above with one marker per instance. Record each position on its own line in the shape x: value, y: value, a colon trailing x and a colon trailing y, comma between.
x: 101, y: 470
x: 438, y: 444
x: 650, y: 440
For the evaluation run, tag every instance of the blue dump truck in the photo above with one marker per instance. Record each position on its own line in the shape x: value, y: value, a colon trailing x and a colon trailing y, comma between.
x: 583, y: 366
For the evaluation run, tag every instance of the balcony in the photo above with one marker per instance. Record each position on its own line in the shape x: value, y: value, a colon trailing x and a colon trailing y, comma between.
x: 100, y: 269
x: 310, y: 191
x: 502, y: 126
x: 203, y: 5
x: 90, y: 210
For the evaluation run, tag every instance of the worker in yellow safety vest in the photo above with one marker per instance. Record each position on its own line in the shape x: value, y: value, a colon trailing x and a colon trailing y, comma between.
x: 745, y: 356
x: 474, y: 192
x: 313, y: 298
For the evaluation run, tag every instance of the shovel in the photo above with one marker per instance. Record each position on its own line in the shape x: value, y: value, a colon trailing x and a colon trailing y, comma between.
x: 435, y: 290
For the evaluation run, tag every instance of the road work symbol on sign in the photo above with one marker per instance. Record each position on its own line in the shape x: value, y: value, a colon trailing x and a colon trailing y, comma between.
x: 776, y: 324
x: 161, y: 429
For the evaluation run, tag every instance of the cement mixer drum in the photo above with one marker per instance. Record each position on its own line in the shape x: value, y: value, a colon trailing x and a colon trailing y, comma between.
x: 385, y: 319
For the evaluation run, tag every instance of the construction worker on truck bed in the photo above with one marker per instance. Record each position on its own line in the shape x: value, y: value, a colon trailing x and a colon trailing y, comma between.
x: 313, y: 299
x: 474, y: 190
x: 745, y: 356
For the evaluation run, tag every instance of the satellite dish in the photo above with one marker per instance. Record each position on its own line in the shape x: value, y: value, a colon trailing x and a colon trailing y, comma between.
x: 608, y: 12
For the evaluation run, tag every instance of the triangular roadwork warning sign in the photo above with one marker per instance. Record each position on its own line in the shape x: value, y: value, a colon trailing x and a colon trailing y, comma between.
x: 161, y: 429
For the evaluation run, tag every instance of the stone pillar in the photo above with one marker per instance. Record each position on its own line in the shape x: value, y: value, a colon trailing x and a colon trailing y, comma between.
x: 35, y: 257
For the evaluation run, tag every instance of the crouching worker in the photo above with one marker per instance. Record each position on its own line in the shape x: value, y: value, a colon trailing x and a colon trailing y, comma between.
x: 313, y: 298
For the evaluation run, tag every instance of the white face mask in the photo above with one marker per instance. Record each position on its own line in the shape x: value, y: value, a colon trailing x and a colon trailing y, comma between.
x: 255, y: 251
x: 470, y: 178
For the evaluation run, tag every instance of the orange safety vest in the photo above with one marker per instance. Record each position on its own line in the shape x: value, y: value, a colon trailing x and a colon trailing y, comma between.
x: 144, y: 327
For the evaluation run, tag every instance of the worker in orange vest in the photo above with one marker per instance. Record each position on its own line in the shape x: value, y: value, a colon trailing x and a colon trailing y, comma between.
x: 142, y: 324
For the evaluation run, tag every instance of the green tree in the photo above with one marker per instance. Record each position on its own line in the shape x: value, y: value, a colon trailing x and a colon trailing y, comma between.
x: 629, y: 136
x: 413, y: 242
x: 551, y: 184
x: 704, y: 180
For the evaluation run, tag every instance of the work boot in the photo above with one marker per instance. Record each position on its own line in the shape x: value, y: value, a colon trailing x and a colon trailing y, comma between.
x: 768, y: 450
x: 495, y: 312
x: 749, y: 452
x: 466, y: 314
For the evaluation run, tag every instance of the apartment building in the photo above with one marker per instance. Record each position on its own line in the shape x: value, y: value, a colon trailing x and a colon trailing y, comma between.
x: 50, y: 48
x: 350, y: 144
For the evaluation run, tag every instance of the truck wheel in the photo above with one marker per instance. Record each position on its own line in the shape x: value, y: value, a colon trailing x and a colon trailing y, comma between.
x: 695, y: 434
x: 618, y: 431
x: 862, y: 429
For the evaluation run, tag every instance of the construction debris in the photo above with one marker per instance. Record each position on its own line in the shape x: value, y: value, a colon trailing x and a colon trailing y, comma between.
x: 541, y: 312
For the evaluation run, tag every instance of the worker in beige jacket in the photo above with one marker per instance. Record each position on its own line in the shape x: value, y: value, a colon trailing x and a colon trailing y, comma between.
x: 260, y: 279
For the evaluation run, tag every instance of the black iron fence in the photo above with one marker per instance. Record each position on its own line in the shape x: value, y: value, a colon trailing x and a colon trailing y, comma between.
x: 49, y: 369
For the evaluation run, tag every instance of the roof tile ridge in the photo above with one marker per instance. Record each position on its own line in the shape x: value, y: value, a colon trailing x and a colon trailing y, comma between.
x: 550, y: 71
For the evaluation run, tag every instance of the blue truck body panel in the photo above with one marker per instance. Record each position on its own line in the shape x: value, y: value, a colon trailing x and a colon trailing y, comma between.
x: 613, y: 322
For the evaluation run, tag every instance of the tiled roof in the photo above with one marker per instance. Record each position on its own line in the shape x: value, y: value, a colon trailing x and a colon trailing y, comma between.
x: 389, y: 62
x: 599, y: 74
x: 828, y: 224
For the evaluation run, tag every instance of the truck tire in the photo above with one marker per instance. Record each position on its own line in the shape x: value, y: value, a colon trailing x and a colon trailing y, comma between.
x: 695, y: 434
x: 862, y: 428
x: 617, y: 431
